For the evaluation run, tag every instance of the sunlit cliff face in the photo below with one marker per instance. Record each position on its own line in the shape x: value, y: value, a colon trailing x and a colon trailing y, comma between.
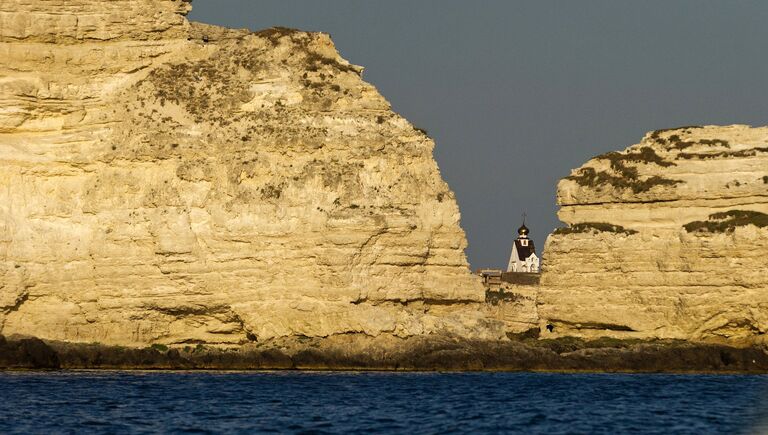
x: 182, y: 183
x: 667, y: 239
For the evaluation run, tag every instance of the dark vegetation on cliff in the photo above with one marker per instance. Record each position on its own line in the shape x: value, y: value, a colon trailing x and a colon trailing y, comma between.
x: 726, y: 222
x: 594, y: 227
x: 275, y: 34
x: 209, y: 87
x: 675, y: 142
x: 497, y: 297
x: 628, y: 179
x: 656, y: 135
x: 624, y: 176
x: 644, y: 155
x: 302, y: 39
x: 205, y: 85
x: 724, y: 154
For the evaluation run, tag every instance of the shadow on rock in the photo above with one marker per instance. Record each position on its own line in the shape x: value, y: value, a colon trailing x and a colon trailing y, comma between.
x: 427, y: 353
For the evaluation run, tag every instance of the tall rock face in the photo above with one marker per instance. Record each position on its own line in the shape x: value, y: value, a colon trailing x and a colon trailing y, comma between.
x: 166, y: 181
x: 666, y: 239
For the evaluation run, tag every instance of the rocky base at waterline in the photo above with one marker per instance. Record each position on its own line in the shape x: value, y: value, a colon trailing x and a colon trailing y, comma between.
x: 393, y: 354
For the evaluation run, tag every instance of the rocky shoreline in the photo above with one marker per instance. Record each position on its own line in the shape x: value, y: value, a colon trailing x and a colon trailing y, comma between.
x: 437, y: 353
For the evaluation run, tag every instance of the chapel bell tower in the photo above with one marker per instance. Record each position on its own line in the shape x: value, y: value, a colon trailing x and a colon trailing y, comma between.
x: 523, y: 258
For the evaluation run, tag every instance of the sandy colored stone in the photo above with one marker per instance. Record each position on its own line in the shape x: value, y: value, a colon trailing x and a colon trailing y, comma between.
x: 166, y: 181
x: 170, y: 182
x: 515, y: 305
x: 653, y: 278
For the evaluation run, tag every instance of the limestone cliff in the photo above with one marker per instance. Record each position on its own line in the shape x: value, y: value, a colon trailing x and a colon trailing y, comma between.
x: 667, y: 239
x: 166, y: 181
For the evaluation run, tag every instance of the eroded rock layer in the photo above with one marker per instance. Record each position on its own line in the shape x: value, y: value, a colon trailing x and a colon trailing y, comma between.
x: 667, y: 239
x: 165, y: 181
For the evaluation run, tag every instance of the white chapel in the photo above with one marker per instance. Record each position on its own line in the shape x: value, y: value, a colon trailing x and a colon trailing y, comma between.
x: 523, y: 258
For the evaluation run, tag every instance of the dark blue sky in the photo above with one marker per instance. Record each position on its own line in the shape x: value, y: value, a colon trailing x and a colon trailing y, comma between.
x: 516, y: 94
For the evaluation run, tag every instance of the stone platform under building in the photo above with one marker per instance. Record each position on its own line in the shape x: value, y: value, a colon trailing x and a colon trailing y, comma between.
x: 493, y: 279
x: 512, y: 297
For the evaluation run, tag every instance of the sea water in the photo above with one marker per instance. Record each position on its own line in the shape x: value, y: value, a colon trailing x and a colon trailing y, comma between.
x: 300, y: 402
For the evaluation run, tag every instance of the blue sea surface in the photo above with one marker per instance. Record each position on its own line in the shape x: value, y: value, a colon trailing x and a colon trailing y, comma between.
x: 300, y: 402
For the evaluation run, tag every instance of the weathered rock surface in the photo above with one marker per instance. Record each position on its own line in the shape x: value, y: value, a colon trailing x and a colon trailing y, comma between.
x: 667, y: 239
x: 516, y: 306
x: 27, y: 354
x: 435, y: 352
x: 170, y: 182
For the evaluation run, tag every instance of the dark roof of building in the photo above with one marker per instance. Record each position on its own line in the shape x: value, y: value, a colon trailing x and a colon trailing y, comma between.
x: 524, y: 252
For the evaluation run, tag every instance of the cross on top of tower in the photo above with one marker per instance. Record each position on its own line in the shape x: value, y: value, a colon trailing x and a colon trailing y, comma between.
x: 523, y: 231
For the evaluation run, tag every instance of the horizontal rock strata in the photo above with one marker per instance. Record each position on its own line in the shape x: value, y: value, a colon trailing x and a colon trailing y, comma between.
x: 171, y: 182
x: 666, y: 239
x: 515, y: 306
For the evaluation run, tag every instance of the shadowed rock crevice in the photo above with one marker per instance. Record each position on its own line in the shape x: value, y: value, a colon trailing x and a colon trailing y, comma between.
x: 557, y: 323
x: 727, y: 222
x: 22, y: 298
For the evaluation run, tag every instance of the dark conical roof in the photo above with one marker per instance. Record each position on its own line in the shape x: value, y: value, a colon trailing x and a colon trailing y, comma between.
x: 523, y: 230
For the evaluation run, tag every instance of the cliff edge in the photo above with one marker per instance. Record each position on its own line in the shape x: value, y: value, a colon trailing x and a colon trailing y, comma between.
x: 178, y: 183
x: 666, y: 239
